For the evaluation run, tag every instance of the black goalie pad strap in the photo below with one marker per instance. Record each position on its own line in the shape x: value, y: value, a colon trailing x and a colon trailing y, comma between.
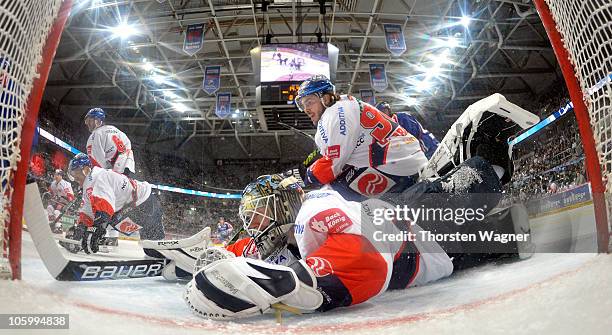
x: 280, y: 282
x: 219, y: 297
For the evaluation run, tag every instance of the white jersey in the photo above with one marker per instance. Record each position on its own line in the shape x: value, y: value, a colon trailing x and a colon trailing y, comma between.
x: 352, y: 132
x: 109, y: 191
x: 62, y: 189
x: 328, y: 226
x: 109, y: 148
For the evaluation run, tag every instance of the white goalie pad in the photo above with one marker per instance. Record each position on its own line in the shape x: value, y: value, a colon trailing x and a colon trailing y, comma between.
x: 455, y: 147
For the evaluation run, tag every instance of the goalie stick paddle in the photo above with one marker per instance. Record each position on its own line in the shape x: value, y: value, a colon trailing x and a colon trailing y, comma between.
x: 72, y: 270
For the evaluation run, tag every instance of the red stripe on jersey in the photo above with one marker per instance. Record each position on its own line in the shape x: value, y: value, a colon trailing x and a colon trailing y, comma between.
x: 86, y: 220
x: 238, y: 247
x: 354, y: 261
x: 98, y: 204
x: 94, y: 162
x: 322, y: 169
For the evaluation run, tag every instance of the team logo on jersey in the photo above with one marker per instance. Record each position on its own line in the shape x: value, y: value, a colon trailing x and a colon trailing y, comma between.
x: 371, y: 183
x: 333, y: 151
x: 320, y: 266
x: 332, y: 220
x: 128, y: 227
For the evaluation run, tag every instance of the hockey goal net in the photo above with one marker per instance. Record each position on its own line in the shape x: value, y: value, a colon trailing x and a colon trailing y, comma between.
x: 29, y: 35
x: 581, y: 35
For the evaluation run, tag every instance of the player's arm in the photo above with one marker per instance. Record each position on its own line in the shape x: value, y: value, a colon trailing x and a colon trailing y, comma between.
x: 95, y: 150
x: 341, y: 137
x: 69, y: 192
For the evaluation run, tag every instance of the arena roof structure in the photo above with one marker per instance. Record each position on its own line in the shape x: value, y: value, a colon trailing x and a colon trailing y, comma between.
x: 127, y: 57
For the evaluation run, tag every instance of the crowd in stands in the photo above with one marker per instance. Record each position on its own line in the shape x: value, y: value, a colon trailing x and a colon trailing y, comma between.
x: 550, y: 161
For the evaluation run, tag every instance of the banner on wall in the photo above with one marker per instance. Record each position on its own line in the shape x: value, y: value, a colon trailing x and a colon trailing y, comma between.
x: 194, y: 38
x: 394, y: 36
x: 368, y: 96
x: 378, y: 77
x: 224, y: 104
x: 212, y: 79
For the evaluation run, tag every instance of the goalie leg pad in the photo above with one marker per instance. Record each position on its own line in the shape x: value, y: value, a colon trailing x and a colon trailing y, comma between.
x: 240, y: 287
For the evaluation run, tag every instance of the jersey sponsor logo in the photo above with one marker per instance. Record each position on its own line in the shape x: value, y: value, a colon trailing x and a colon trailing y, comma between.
x: 89, y: 147
x: 315, y: 195
x: 323, y: 133
x: 332, y: 220
x: 333, y: 151
x: 320, y: 266
x: 298, y: 229
x: 371, y: 183
x: 128, y: 227
x: 360, y: 140
x: 342, y: 120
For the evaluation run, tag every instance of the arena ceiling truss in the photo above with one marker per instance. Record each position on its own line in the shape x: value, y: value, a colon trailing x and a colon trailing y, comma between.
x: 146, y: 82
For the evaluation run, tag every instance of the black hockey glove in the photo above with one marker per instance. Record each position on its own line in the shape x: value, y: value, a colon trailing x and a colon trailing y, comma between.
x: 299, y: 172
x: 94, y: 235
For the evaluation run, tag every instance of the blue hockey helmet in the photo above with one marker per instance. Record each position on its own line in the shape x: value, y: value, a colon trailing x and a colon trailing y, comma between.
x: 317, y: 84
x: 381, y: 106
x: 79, y: 161
x: 96, y: 113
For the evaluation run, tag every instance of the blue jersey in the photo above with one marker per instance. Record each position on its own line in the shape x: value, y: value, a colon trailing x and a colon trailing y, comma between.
x: 428, y: 141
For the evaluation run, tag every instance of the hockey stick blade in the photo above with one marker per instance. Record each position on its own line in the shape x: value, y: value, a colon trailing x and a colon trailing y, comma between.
x: 61, y: 268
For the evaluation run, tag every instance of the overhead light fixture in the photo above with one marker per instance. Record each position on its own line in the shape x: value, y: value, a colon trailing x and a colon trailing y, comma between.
x: 410, y: 101
x: 451, y: 42
x: 179, y: 107
x: 171, y: 95
x: 465, y: 21
x: 158, y: 79
x: 123, y: 30
x: 147, y: 66
x: 423, y: 85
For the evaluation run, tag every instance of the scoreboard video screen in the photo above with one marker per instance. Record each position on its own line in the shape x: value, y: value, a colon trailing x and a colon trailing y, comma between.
x: 293, y: 62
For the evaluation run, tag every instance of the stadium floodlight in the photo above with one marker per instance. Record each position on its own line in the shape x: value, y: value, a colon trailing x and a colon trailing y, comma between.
x: 452, y: 42
x: 423, y: 84
x: 465, y: 21
x: 123, y: 30
x: 179, y: 107
x: 158, y: 79
x: 171, y: 95
x: 147, y: 66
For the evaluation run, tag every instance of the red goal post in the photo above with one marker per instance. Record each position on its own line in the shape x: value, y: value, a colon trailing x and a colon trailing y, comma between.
x: 581, y: 36
x: 30, y: 32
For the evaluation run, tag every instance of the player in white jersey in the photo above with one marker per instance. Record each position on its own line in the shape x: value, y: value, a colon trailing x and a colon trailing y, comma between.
x: 61, y: 193
x: 107, y: 146
x: 365, y: 152
x: 108, y: 198
x: 347, y: 252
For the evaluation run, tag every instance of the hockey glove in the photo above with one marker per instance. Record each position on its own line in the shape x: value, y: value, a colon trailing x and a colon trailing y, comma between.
x: 242, y: 287
x: 94, y: 234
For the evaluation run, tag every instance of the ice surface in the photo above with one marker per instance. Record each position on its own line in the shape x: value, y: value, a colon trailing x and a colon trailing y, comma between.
x: 549, y: 293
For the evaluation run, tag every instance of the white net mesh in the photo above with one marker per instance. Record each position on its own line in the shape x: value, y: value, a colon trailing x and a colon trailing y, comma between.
x: 586, y: 29
x: 24, y: 26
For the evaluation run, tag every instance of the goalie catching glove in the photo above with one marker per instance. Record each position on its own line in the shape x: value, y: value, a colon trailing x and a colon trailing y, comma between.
x: 241, y: 287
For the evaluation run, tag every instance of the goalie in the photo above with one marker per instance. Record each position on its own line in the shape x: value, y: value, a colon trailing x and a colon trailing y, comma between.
x: 318, y: 251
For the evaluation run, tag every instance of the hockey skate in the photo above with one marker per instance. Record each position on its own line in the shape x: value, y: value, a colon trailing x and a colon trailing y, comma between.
x: 181, y: 253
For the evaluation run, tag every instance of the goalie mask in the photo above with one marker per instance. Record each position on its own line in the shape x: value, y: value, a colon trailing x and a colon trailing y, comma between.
x: 268, y: 209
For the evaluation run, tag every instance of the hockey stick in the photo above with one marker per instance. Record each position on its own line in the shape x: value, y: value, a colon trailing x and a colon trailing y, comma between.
x: 301, y: 132
x: 69, y: 270
x: 65, y: 209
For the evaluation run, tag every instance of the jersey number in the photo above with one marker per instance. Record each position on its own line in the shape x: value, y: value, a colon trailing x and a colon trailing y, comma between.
x: 383, y: 127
